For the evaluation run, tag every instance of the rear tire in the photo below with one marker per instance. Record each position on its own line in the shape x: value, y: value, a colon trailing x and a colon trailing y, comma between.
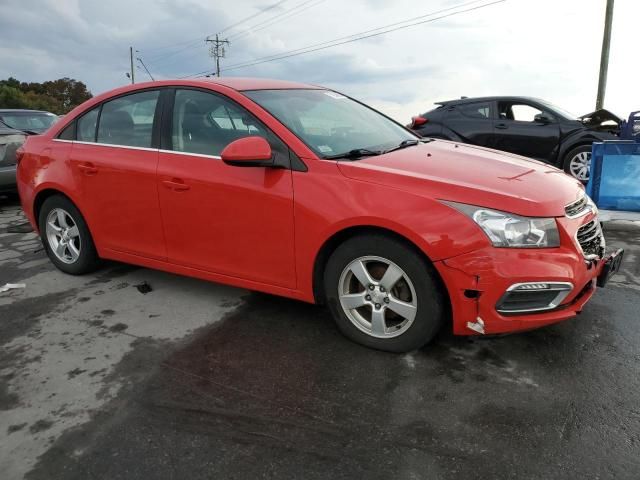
x: 577, y: 163
x: 66, y: 237
x: 383, y: 294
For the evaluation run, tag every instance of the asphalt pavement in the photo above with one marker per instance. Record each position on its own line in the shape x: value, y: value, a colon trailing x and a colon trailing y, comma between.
x: 130, y: 373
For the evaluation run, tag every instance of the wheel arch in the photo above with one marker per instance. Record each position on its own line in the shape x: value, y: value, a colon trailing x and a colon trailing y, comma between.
x: 567, y: 148
x: 47, y: 192
x: 339, y: 237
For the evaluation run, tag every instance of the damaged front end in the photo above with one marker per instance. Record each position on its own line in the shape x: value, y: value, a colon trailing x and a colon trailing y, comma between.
x: 603, y: 121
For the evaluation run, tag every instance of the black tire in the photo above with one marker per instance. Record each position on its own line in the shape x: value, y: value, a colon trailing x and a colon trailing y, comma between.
x: 566, y: 164
x: 87, y: 260
x: 431, y: 300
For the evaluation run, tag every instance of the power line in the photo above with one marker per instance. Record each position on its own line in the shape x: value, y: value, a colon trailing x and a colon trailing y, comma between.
x: 269, y: 21
x: 162, y: 58
x: 276, y: 18
x: 357, y: 34
x: 173, y: 45
x: 252, y: 16
x: 350, y: 39
x: 166, y: 64
x: 190, y: 43
x: 145, y: 68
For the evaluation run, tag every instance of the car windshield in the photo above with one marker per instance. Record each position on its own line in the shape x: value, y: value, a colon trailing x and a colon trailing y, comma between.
x: 560, y: 111
x: 329, y: 123
x: 33, y: 122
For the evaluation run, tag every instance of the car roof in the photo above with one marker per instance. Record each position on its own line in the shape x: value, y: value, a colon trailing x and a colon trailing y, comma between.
x: 463, y: 100
x: 236, y: 83
x: 247, y: 83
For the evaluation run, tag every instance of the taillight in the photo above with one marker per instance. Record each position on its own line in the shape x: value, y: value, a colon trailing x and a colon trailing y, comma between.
x: 19, y: 154
x: 418, y: 121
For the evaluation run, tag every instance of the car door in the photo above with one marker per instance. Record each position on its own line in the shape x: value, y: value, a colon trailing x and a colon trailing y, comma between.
x: 470, y: 122
x: 230, y: 220
x: 518, y: 129
x: 114, y: 161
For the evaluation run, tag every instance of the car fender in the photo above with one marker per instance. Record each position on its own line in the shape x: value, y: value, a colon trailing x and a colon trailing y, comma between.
x: 53, y: 187
x: 436, y: 229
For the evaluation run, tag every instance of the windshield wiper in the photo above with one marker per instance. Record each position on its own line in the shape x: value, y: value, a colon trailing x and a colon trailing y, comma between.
x: 408, y: 143
x: 355, y: 153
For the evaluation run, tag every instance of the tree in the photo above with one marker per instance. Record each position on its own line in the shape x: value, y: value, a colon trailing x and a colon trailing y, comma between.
x: 57, y: 96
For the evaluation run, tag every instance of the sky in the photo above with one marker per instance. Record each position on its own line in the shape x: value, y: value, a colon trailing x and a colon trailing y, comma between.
x: 543, y: 48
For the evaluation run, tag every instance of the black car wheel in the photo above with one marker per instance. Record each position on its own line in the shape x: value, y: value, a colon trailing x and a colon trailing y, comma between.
x: 577, y: 162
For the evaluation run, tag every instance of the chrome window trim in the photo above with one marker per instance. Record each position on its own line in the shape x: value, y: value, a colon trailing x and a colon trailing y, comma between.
x: 563, y: 289
x: 147, y: 149
x: 177, y: 152
x: 214, y: 157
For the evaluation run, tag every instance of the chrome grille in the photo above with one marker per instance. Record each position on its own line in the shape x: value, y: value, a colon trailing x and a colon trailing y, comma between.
x: 590, y: 239
x: 576, y: 208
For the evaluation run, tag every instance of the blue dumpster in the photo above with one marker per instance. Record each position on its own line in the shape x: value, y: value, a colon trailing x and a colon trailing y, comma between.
x: 614, y: 183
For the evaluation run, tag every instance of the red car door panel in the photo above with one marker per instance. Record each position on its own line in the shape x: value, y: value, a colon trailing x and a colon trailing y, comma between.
x: 115, y: 168
x: 230, y: 220
x: 119, y: 191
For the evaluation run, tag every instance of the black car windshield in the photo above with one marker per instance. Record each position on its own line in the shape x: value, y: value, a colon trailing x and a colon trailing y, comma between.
x: 32, y: 122
x: 329, y: 123
x: 560, y: 111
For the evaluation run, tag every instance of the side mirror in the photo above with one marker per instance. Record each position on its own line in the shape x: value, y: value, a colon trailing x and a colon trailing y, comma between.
x: 542, y: 118
x: 248, y: 152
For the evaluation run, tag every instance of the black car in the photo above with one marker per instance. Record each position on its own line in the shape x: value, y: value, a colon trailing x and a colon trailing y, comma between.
x: 15, y: 125
x: 522, y: 125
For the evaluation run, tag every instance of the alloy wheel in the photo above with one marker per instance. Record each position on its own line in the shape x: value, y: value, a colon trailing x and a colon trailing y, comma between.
x: 63, y: 235
x: 378, y: 297
x: 579, y: 166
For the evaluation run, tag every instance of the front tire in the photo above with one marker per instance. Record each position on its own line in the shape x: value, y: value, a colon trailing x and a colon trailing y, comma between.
x: 383, y: 294
x: 66, y: 237
x: 577, y: 163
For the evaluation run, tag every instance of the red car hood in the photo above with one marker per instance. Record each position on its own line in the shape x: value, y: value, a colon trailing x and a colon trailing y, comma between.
x: 474, y: 175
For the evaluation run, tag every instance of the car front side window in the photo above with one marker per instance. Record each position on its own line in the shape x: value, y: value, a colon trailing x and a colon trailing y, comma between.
x: 519, y: 112
x: 128, y: 120
x: 205, y: 123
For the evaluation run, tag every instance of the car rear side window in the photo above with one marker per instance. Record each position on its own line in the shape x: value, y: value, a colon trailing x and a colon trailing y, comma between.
x: 128, y: 120
x: 87, y: 126
x: 205, y: 123
x: 69, y: 132
x: 476, y: 110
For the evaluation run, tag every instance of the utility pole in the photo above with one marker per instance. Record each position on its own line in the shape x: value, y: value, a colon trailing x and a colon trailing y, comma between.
x: 604, y: 55
x: 133, y: 75
x: 217, y: 50
x: 145, y: 68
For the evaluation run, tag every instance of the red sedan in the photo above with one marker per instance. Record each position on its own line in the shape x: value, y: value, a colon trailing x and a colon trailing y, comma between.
x: 300, y: 191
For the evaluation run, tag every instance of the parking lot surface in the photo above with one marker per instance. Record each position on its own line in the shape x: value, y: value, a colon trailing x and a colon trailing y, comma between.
x: 137, y: 374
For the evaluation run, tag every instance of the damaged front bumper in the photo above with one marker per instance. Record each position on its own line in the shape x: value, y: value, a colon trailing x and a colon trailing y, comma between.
x: 551, y: 286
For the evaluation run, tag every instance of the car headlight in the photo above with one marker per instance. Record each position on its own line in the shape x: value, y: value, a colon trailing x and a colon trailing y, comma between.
x: 511, y: 230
